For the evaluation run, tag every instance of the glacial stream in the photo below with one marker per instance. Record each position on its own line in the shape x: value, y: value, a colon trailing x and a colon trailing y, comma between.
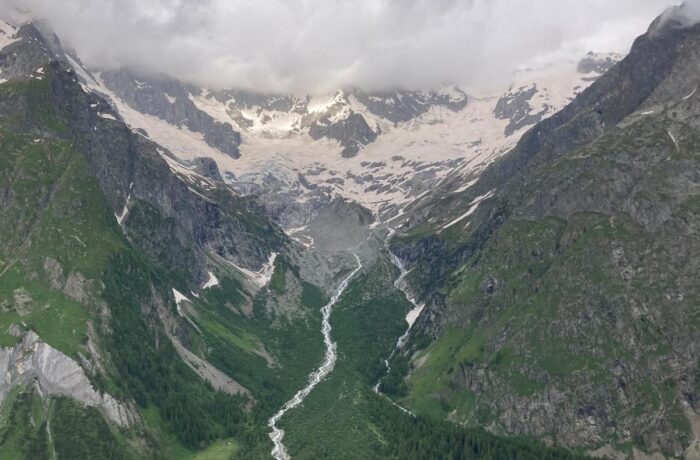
x: 411, y: 316
x: 279, y: 452
x: 402, y: 286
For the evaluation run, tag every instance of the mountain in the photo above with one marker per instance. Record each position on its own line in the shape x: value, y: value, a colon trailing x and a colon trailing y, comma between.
x: 136, y: 315
x: 149, y: 309
x: 399, y: 274
x: 344, y: 159
x: 560, y: 287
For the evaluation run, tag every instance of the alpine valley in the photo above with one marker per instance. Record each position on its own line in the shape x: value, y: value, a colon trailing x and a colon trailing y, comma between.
x: 199, y: 273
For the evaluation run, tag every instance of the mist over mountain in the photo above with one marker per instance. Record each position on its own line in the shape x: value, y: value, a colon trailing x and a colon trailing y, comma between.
x: 321, y: 45
x: 383, y: 229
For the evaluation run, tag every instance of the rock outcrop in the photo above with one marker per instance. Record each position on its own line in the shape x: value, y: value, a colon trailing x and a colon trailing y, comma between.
x: 33, y: 360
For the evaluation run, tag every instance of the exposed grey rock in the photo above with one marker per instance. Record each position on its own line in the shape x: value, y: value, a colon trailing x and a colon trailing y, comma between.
x: 207, y: 167
x: 341, y: 225
x: 597, y: 63
x: 77, y: 287
x: 352, y: 132
x: 242, y: 99
x: 14, y: 330
x: 34, y: 48
x: 217, y: 379
x: 401, y: 106
x: 169, y: 100
x: 57, y: 374
x: 55, y: 273
x: 515, y: 106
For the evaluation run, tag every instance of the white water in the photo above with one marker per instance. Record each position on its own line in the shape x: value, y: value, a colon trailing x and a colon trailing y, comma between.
x: 279, y: 452
x: 402, y: 286
x: 411, y: 316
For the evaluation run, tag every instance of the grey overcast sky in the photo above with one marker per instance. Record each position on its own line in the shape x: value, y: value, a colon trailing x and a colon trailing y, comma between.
x: 314, y: 45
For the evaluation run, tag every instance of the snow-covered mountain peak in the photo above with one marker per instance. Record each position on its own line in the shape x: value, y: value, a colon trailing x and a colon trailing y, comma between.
x: 380, y: 150
x: 7, y: 34
x: 353, y: 118
x: 538, y: 93
x: 597, y: 62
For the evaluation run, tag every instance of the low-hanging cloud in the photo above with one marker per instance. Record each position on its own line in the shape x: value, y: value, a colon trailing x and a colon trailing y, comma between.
x: 686, y: 14
x: 312, y: 45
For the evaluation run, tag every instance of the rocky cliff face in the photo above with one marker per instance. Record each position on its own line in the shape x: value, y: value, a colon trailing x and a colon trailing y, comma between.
x: 132, y: 171
x: 597, y: 63
x: 198, y: 215
x: 561, y: 283
x: 57, y: 375
x: 26, y: 49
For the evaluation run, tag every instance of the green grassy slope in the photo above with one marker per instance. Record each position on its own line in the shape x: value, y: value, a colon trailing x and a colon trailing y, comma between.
x: 344, y: 418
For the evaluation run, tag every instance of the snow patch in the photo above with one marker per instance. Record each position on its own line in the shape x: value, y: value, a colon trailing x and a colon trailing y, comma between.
x: 82, y: 73
x: 473, y: 205
x: 211, y: 282
x: 79, y: 240
x: 320, y: 103
x: 7, y: 34
x: 261, y: 277
x: 413, y: 315
x: 673, y: 138
x: 302, y: 238
x: 205, y: 198
x: 179, y: 298
x: 466, y: 186
x: 125, y: 211
x: 691, y: 94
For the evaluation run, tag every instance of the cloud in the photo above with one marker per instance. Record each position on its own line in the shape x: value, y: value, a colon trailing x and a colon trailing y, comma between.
x: 312, y: 45
x: 686, y: 14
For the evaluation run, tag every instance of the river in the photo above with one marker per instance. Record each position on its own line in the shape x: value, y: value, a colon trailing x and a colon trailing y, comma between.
x: 400, y: 284
x: 279, y: 452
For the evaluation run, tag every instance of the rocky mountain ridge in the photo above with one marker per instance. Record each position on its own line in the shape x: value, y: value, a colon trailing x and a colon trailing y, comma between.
x: 305, y: 156
x: 561, y: 300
